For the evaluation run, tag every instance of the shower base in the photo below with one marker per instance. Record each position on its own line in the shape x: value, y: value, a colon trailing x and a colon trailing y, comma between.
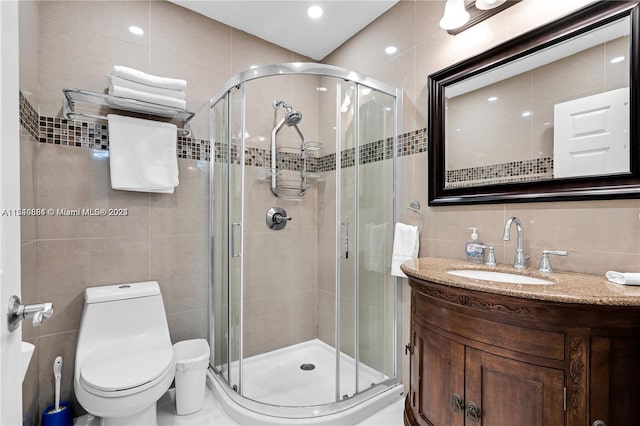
x: 288, y: 394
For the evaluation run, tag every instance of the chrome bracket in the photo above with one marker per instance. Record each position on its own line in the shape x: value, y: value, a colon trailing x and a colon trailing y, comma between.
x: 17, y: 312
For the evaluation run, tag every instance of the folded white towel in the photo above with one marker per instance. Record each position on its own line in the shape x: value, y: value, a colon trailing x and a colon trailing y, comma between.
x: 406, y: 244
x: 142, y: 154
x: 151, y: 80
x: 628, y: 278
x: 123, y: 82
x: 125, y: 92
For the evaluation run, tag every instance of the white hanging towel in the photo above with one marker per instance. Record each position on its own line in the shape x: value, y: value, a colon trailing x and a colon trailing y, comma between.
x: 148, y: 79
x: 627, y: 278
x: 406, y: 244
x: 142, y: 154
x: 125, y: 92
x: 128, y: 84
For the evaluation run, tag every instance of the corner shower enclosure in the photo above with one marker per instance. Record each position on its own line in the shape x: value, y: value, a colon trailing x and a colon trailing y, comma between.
x: 304, y: 316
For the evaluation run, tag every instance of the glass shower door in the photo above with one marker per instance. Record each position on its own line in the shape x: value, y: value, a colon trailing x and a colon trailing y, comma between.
x: 219, y: 298
x: 227, y: 189
x: 376, y: 286
x: 236, y: 205
x: 346, y: 242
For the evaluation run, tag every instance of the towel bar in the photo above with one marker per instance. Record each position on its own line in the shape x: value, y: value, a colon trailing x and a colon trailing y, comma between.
x: 71, y: 96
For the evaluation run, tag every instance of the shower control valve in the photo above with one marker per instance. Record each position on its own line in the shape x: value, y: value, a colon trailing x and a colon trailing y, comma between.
x: 277, y: 218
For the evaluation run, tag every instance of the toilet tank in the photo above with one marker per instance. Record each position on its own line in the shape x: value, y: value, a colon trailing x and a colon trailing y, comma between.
x: 122, y: 312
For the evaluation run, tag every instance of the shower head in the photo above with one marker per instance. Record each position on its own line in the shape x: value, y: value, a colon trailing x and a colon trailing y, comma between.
x: 291, y: 117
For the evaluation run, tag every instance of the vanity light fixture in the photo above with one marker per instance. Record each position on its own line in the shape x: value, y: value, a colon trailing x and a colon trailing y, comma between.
x: 488, y: 4
x: 455, y: 15
x: 315, y: 12
x: 475, y: 12
x: 136, y: 30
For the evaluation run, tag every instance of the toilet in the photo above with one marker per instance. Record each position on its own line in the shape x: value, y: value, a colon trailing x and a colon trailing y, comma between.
x: 124, y: 358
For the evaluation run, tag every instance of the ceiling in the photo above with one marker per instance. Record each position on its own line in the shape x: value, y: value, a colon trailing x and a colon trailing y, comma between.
x: 286, y: 23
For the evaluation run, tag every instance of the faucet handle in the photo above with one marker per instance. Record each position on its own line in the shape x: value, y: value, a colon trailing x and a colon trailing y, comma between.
x: 545, y: 262
x: 491, y: 256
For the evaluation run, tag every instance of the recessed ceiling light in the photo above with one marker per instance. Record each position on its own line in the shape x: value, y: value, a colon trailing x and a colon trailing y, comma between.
x: 526, y: 114
x: 136, y: 30
x: 617, y: 59
x: 390, y: 50
x: 321, y: 89
x: 315, y: 12
x: 492, y: 99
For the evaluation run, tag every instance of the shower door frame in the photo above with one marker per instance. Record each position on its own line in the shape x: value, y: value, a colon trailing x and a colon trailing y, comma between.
x: 359, y: 80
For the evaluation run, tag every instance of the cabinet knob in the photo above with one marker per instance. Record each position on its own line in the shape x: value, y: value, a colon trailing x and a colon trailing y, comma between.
x: 473, y: 413
x: 599, y: 423
x: 456, y: 403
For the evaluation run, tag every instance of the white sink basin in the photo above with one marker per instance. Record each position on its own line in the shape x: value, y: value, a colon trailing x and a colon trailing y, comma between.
x: 502, y: 277
x: 26, y: 350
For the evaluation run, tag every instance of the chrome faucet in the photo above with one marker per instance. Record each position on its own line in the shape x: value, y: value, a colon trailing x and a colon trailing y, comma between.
x: 519, y: 261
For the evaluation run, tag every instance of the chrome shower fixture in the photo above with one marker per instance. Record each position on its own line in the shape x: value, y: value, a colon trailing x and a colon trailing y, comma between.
x: 291, y: 117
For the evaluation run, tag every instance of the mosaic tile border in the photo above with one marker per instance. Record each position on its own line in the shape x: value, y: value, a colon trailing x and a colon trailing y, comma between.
x: 59, y: 131
x: 515, y: 171
x: 29, y: 118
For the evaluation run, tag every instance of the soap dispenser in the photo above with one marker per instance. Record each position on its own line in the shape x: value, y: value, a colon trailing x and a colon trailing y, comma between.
x: 474, y: 248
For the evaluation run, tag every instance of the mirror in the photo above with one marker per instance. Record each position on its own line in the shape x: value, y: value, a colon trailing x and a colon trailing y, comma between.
x: 549, y: 115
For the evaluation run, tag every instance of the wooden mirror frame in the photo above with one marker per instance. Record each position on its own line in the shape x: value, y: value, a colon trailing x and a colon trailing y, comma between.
x: 564, y: 189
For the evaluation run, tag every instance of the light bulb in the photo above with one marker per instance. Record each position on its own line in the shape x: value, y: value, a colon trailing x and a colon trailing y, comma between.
x: 488, y: 4
x: 455, y: 15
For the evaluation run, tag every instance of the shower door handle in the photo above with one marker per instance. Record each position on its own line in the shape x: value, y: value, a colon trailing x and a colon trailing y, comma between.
x: 233, y: 239
x: 346, y: 240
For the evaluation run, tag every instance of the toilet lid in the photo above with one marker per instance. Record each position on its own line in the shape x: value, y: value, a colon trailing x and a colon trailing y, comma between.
x: 126, y: 365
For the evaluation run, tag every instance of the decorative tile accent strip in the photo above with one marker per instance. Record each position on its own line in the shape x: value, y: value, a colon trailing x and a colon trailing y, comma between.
x: 29, y: 118
x: 193, y: 149
x: 515, y: 171
x: 412, y: 142
x: 60, y: 131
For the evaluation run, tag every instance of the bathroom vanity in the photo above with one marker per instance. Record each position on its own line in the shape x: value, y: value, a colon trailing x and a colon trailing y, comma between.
x: 497, y: 353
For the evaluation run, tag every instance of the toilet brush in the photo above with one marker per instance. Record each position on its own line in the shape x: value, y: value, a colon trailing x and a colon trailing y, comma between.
x: 57, y: 375
x: 58, y: 414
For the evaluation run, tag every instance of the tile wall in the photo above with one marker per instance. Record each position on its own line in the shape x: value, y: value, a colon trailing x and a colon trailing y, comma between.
x: 65, y: 165
x: 77, y: 44
x: 423, y: 48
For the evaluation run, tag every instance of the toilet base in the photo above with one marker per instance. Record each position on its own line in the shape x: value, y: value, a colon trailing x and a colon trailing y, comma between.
x: 147, y: 417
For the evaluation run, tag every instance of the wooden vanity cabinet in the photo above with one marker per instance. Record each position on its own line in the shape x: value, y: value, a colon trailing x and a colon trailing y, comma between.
x: 495, y: 360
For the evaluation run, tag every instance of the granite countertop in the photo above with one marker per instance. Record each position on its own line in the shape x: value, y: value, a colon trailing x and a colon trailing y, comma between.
x: 569, y: 287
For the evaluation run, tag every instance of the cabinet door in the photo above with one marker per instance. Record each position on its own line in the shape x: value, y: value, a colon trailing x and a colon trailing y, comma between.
x: 615, y: 380
x: 437, y: 374
x: 508, y: 392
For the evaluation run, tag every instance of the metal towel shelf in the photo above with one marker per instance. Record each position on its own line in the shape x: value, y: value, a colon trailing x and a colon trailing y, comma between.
x: 71, y: 96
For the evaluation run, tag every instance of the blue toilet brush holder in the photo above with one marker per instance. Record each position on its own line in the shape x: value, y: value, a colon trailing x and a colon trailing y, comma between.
x: 62, y: 417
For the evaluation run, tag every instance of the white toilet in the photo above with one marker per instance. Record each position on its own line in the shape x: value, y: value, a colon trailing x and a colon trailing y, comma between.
x: 124, y: 358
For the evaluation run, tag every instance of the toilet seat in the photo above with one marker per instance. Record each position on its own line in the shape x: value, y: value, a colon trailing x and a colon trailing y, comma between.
x: 126, y: 368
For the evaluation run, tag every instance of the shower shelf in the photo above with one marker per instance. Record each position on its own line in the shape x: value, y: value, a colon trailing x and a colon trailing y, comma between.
x: 72, y: 96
